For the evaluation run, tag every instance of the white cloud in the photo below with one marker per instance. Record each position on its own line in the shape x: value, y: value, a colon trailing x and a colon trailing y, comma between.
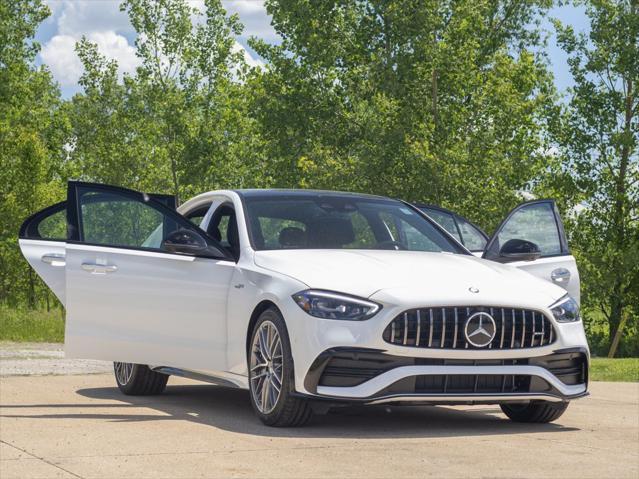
x: 252, y: 13
x: 115, y: 46
x: 81, y: 17
x: 59, y: 54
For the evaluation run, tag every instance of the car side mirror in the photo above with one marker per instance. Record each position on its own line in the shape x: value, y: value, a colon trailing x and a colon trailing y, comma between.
x: 519, y: 250
x: 186, y: 241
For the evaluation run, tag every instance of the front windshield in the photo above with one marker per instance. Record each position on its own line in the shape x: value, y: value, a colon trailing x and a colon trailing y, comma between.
x: 327, y: 221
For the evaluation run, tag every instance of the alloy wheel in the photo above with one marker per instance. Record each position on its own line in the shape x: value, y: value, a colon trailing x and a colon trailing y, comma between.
x: 266, y: 367
x: 123, y: 372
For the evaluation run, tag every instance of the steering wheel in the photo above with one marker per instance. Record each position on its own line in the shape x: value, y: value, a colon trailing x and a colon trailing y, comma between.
x: 390, y: 244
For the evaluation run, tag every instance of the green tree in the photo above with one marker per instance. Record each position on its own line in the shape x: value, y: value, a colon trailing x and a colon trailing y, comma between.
x: 598, y: 163
x: 32, y: 135
x: 440, y: 101
x: 180, y: 123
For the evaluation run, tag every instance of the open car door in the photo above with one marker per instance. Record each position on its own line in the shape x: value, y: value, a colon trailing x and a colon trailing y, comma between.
x: 140, y: 283
x: 532, y: 238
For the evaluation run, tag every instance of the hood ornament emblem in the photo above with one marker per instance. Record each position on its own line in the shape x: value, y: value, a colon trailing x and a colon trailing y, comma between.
x: 472, y: 289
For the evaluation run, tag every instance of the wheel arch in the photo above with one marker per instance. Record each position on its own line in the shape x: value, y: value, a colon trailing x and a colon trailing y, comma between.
x: 257, y: 311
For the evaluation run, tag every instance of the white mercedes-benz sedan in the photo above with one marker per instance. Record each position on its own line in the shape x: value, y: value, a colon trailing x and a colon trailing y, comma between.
x: 315, y: 299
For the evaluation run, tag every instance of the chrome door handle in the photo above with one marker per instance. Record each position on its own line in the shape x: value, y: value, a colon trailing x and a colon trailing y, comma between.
x: 54, y: 259
x: 99, y: 268
x: 560, y: 275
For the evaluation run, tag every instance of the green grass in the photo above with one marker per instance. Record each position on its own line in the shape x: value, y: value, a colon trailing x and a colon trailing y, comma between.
x: 621, y: 369
x: 31, y: 325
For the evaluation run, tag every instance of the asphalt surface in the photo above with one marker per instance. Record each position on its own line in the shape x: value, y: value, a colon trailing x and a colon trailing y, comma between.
x: 79, y: 425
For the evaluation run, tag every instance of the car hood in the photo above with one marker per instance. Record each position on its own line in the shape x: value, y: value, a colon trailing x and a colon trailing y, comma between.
x: 404, y: 277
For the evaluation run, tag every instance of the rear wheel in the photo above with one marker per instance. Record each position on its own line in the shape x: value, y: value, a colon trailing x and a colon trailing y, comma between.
x: 271, y: 379
x: 138, y: 379
x: 535, y: 411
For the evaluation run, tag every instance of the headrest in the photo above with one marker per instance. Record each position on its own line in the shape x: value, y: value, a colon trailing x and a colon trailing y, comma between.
x: 292, y: 237
x: 332, y: 232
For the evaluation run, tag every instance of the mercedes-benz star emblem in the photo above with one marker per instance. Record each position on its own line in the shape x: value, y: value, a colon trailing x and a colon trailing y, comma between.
x: 480, y: 329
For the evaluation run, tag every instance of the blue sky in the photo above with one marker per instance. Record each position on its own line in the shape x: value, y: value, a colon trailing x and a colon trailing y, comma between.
x: 103, y: 23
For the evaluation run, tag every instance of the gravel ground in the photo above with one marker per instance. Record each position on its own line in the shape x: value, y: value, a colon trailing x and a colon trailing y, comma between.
x: 43, y: 359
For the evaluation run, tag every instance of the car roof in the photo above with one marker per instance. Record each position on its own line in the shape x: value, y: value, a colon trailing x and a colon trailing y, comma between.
x: 277, y: 192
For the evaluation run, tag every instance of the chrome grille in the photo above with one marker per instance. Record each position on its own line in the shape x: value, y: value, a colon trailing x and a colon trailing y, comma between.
x: 443, y: 328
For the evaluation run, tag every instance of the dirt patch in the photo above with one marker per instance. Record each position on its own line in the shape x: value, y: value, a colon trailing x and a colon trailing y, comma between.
x: 43, y: 359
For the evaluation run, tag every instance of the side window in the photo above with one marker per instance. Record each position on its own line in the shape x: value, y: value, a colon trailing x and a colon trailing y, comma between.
x: 445, y: 220
x: 47, y: 224
x: 471, y: 236
x: 111, y: 219
x: 535, y: 222
x: 54, y: 226
x: 125, y: 219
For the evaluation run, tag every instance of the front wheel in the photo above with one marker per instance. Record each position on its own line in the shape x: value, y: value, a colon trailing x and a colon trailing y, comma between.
x: 534, y: 411
x: 271, y: 379
x: 138, y: 379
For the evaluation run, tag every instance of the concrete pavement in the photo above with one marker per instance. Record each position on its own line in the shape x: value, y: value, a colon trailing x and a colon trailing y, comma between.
x: 81, y: 426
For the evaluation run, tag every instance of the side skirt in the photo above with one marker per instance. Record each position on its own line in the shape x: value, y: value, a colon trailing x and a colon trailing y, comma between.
x: 207, y: 378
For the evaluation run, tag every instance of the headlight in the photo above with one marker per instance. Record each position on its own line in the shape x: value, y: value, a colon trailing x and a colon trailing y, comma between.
x: 328, y: 305
x: 566, y: 310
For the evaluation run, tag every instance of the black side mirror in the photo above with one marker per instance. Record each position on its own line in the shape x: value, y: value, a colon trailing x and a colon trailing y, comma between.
x: 185, y: 241
x: 519, y: 250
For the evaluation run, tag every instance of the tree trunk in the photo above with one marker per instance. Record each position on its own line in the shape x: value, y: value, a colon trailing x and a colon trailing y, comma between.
x: 619, y: 227
x: 617, y: 337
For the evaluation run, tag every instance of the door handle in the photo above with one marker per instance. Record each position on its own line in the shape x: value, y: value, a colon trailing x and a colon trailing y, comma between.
x: 54, y: 259
x: 99, y: 268
x: 560, y: 275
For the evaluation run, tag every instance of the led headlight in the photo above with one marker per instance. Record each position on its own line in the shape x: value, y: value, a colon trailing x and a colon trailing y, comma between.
x: 328, y: 305
x: 566, y: 310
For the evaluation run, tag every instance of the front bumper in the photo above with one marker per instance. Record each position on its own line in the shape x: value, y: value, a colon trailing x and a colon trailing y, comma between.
x: 421, y: 375
x: 371, y: 376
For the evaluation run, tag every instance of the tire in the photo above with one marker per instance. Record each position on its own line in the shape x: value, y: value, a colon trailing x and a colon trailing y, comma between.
x: 535, y: 411
x: 274, y: 408
x: 138, y: 379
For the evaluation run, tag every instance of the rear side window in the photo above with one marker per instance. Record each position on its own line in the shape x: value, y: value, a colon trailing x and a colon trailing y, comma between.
x: 47, y: 224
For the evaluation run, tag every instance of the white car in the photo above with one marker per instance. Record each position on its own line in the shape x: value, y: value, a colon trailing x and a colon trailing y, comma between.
x: 312, y: 299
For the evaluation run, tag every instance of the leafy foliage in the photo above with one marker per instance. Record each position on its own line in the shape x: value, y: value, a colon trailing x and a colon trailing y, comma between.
x: 597, y: 170
x: 437, y: 101
x: 32, y: 132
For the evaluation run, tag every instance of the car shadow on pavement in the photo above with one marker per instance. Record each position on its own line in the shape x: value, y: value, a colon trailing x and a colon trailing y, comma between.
x: 230, y: 409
